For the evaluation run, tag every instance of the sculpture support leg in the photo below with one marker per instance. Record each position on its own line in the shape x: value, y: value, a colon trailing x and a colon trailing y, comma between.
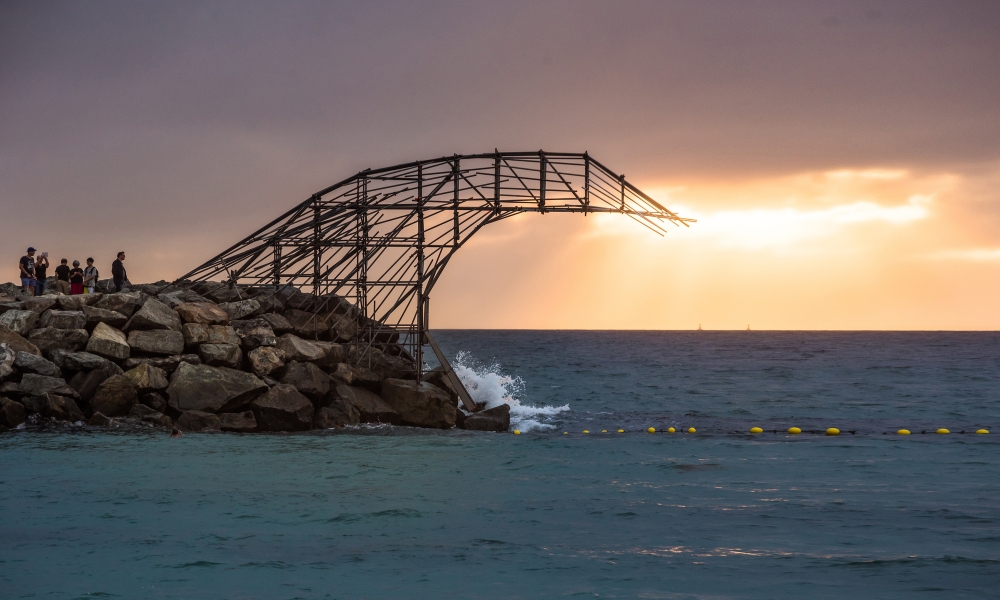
x: 450, y: 374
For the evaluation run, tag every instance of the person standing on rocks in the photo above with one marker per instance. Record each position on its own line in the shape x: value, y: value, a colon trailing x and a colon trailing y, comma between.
x: 76, y: 279
x: 27, y: 267
x: 41, y: 266
x: 90, y: 276
x: 118, y: 272
x: 62, y: 278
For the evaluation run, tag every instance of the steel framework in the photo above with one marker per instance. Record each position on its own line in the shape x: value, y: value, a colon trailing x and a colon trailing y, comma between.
x: 381, y: 238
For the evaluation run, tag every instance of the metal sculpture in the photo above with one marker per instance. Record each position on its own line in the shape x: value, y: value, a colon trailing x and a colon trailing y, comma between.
x: 382, y: 238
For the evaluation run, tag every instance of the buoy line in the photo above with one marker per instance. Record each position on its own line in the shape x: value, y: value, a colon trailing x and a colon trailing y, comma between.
x: 830, y: 431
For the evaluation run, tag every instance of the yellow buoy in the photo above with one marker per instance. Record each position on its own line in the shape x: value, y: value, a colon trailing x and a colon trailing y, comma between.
x: 692, y: 430
x: 942, y: 431
x: 621, y: 431
x: 903, y: 432
x: 586, y: 431
x: 982, y: 431
x: 833, y: 431
x: 756, y: 430
x: 604, y: 431
x: 651, y: 430
x: 565, y: 433
x: 671, y: 430
x: 794, y: 430
x: 517, y: 432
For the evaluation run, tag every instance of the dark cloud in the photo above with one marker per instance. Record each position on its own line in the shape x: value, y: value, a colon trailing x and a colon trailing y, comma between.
x: 158, y: 120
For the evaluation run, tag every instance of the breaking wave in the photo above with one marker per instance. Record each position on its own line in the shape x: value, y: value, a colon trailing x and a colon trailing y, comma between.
x: 490, y: 385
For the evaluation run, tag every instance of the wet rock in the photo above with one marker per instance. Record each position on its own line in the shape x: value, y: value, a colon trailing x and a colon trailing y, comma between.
x: 40, y: 304
x: 296, y: 348
x: 26, y: 362
x: 283, y: 408
x: 148, y: 415
x: 307, y: 378
x: 147, y: 378
x: 438, y: 377
x: 221, y: 355
x: 50, y: 338
x: 63, y: 319
x: 156, y: 341
x: 494, y: 419
x: 370, y: 407
x: 154, y: 315
x: 18, y: 343
x: 212, y: 389
x: 266, y: 360
x: 100, y: 420
x: 100, y: 315
x: 125, y: 303
x: 278, y: 324
x: 337, y: 415
x: 241, y: 309
x: 204, y: 313
x: 108, y: 342
x: 38, y: 385
x: 243, y: 422
x: 196, y: 420
x: 21, y: 322
x: 155, y: 401
x: 422, y: 405
x: 62, y: 408
x: 7, y: 358
x: 12, y: 413
x: 115, y: 397
x: 167, y: 363
x: 86, y: 382
x: 254, y: 333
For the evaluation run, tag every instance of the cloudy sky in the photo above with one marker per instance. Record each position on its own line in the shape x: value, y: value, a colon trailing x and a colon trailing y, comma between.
x: 842, y: 158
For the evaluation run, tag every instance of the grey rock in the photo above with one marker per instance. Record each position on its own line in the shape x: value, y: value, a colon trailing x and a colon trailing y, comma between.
x: 278, y: 324
x: 125, y: 303
x: 154, y: 315
x: 12, y: 413
x: 296, y: 348
x: 77, y: 361
x: 254, y: 333
x: 212, y: 389
x: 307, y: 324
x: 357, y: 376
x: 62, y: 408
x: 100, y: 420
x: 337, y: 415
x: 33, y: 384
x: 266, y: 360
x: 21, y: 322
x: 241, y: 309
x: 195, y: 333
x: 156, y: 341
x: 86, y: 382
x: 421, y: 405
x: 40, y: 304
x: 63, y: 319
x: 18, y: 343
x: 115, y: 397
x: 70, y: 303
x: 222, y: 334
x: 283, y: 408
x: 494, y: 419
x: 196, y: 420
x: 221, y: 355
x: 167, y: 363
x: 307, y: 378
x: 97, y: 315
x: 7, y: 357
x: 148, y: 415
x: 147, y: 378
x: 370, y: 407
x: 155, y: 401
x: 108, y: 342
x: 34, y: 364
x: 50, y: 338
x: 243, y: 422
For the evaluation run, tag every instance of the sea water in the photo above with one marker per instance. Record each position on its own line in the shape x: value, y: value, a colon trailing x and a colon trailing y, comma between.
x: 385, y: 512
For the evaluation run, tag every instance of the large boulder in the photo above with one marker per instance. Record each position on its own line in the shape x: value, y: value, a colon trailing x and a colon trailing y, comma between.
x: 115, y: 397
x: 7, y: 357
x: 222, y: 334
x: 156, y: 341
x: 100, y: 420
x: 333, y: 355
x: 307, y: 324
x: 307, y: 378
x: 62, y: 408
x: 50, y: 338
x: 254, y: 333
x: 40, y: 304
x: 63, y: 319
x: 212, y: 389
x: 38, y: 385
x: 77, y: 361
x: 266, y: 360
x: 12, y: 413
x: 154, y: 400
x: 125, y: 303
x: 337, y: 415
x: 278, y: 324
x: 72, y: 303
x: 221, y: 355
x: 241, y: 309
x: 147, y: 378
x: 243, y: 422
x: 494, y: 419
x: 343, y: 328
x: 197, y: 420
x: 97, y: 315
x: 296, y: 348
x: 195, y: 333
x: 21, y: 322
x: 283, y: 408
x: 26, y: 362
x: 108, y: 342
x: 148, y: 415
x: 205, y: 313
x: 422, y: 405
x: 86, y: 382
x: 357, y: 376
x: 18, y: 343
x: 167, y: 363
x: 154, y: 315
x: 370, y: 407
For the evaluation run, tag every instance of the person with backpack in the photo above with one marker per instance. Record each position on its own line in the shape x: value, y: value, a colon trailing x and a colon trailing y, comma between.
x: 90, y: 276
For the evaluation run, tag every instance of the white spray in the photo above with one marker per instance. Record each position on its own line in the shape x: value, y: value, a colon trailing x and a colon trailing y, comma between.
x: 489, y: 385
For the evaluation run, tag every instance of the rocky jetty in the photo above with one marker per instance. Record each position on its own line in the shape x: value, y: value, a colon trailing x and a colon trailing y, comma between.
x: 208, y: 356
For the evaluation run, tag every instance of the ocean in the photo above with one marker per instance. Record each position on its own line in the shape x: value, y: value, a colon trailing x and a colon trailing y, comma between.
x: 385, y: 512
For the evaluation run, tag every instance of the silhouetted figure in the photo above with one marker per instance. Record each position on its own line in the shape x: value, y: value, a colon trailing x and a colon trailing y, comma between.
x: 62, y: 278
x: 118, y: 273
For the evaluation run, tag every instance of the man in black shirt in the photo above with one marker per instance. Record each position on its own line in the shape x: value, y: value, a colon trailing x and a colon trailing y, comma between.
x: 62, y: 278
x: 27, y: 270
x: 41, y: 266
x: 118, y: 272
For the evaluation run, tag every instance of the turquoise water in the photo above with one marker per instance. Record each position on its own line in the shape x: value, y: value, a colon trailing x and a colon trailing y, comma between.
x: 398, y: 513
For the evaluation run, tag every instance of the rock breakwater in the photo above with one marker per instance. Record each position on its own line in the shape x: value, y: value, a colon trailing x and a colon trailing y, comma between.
x: 209, y: 356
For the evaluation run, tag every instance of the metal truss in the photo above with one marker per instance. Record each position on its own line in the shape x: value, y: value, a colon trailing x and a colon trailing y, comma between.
x: 382, y: 238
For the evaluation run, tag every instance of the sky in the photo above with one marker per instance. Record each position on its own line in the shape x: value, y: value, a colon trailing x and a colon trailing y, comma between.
x: 842, y: 158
